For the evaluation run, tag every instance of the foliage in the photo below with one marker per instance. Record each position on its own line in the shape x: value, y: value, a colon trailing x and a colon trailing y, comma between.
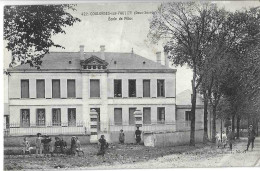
x: 28, y: 30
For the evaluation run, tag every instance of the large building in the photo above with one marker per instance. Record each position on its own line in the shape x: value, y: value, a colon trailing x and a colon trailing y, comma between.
x: 60, y: 97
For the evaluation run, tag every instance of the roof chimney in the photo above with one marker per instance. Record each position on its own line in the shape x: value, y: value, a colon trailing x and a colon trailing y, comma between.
x: 81, y: 47
x: 167, y: 60
x: 158, y: 57
x: 102, y: 52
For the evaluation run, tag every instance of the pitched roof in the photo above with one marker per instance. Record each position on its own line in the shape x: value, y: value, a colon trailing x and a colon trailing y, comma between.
x: 124, y: 61
x: 184, y: 98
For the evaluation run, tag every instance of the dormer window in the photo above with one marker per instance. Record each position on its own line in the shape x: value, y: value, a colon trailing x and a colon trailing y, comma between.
x: 93, y: 63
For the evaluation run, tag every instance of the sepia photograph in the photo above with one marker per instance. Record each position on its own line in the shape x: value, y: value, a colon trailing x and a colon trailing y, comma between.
x: 130, y: 85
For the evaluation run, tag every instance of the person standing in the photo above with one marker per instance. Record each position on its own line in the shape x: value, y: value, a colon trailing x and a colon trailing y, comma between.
x: 230, y: 137
x: 103, y: 145
x: 122, y: 137
x: 73, y: 145
x: 38, y: 144
x: 224, y: 139
x: 251, y: 137
x: 138, y: 136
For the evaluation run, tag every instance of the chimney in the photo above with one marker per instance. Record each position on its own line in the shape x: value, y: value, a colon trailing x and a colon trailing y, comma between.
x: 167, y: 60
x: 158, y: 57
x: 81, y: 47
x: 102, y: 52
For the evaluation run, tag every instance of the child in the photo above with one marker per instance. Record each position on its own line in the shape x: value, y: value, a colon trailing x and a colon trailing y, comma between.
x: 26, y: 146
x: 103, y: 145
x: 121, y: 137
x: 73, y: 145
x: 38, y: 144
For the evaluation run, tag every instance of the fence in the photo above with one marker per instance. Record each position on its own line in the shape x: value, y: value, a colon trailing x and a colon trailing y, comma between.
x: 81, y: 128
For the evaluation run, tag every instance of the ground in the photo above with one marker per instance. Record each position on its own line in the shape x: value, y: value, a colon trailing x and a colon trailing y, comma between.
x: 138, y: 156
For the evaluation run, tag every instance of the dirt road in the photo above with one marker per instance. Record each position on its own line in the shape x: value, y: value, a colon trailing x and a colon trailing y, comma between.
x: 202, y: 158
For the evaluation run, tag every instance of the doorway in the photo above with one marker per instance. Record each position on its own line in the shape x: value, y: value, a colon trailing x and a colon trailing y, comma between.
x: 98, y: 118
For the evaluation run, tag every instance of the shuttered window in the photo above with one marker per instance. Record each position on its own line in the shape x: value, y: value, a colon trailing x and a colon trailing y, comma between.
x: 40, y: 117
x: 118, y: 116
x: 71, y: 90
x: 188, y: 115
x: 161, y: 115
x: 147, y: 115
x: 160, y: 88
x: 94, y: 88
x: 56, y: 117
x: 146, y: 88
x: 55, y: 88
x: 131, y: 116
x: 24, y: 88
x: 117, y: 88
x: 40, y: 88
x: 25, y: 118
x: 132, y: 88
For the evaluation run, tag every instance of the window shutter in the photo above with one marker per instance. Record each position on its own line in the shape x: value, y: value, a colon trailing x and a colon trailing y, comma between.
x: 40, y: 88
x: 55, y: 88
x: 118, y: 116
x: 25, y: 88
x: 71, y: 88
x: 94, y: 88
x: 146, y: 88
x: 147, y: 115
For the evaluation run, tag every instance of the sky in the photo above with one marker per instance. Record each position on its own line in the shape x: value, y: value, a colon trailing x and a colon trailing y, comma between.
x: 124, y: 35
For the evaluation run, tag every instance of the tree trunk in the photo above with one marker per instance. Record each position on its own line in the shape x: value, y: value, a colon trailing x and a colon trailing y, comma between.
x: 214, y: 123
x: 238, y: 126
x: 233, y: 123
x: 205, y: 135
x: 193, y: 107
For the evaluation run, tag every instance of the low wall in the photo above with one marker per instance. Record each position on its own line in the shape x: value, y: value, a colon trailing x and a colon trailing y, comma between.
x: 171, y: 138
x: 16, y: 141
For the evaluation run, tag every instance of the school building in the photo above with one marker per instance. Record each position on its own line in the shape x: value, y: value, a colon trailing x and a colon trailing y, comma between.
x: 93, y: 93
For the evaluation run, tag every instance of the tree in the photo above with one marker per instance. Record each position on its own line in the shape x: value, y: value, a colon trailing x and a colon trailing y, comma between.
x: 28, y: 30
x: 187, y: 28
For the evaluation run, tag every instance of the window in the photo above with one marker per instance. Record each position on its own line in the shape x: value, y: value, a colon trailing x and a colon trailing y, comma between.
x: 72, y: 117
x: 40, y: 117
x: 147, y: 115
x: 117, y: 88
x: 118, y: 116
x: 55, y: 88
x: 40, y: 88
x: 56, y: 117
x: 160, y: 88
x: 25, y: 118
x: 146, y: 88
x: 25, y: 88
x: 132, y: 88
x: 131, y: 116
x: 161, y: 115
x: 94, y: 88
x: 187, y: 115
x: 71, y: 93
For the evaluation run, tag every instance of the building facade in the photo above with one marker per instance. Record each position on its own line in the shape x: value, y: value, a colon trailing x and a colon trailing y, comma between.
x: 59, y: 97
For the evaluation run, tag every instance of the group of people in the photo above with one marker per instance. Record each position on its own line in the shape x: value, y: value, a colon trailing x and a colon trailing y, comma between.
x: 230, y: 137
x: 138, y: 134
x: 44, y: 145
